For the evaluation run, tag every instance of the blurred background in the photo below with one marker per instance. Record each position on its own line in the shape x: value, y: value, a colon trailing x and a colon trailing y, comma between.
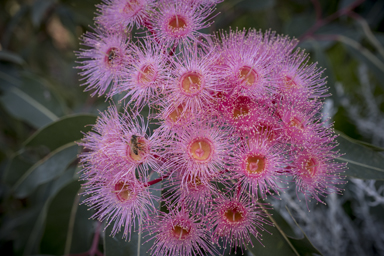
x: 43, y: 109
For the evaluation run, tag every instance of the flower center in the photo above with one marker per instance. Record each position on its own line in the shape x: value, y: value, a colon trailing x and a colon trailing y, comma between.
x: 123, y: 191
x: 234, y: 214
x: 200, y: 149
x: 130, y: 7
x: 177, y: 114
x: 296, y: 122
x: 112, y: 57
x: 177, y: 24
x: 255, y: 164
x: 193, y: 182
x: 147, y: 74
x: 248, y: 75
x: 241, y: 107
x: 191, y: 83
x: 137, y: 148
x: 310, y: 167
x: 180, y: 232
x: 289, y: 83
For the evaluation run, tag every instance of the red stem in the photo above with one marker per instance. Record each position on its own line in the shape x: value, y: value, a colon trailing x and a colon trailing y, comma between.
x: 152, y: 182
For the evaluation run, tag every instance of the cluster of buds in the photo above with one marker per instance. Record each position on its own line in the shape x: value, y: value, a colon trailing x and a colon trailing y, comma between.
x: 238, y: 117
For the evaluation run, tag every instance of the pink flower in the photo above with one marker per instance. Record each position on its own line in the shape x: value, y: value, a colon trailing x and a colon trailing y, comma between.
x: 314, y: 168
x: 235, y: 219
x: 147, y: 75
x: 250, y: 65
x: 105, y: 62
x: 260, y: 166
x: 193, y: 81
x: 119, y: 142
x: 124, y: 13
x: 178, y: 22
x: 180, y: 233
x: 119, y: 200
x: 200, y: 151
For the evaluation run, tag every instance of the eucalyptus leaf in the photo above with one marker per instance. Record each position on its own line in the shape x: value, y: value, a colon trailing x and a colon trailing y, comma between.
x: 116, y: 246
x: 68, y: 228
x: 45, y: 170
x: 61, y: 132
x: 23, y: 106
x: 304, y: 245
x: 17, y: 166
x: 39, y: 9
x: 31, y: 231
x: 363, y: 143
x: 363, y: 162
x: 278, y: 242
x: 32, y: 100
x: 11, y: 57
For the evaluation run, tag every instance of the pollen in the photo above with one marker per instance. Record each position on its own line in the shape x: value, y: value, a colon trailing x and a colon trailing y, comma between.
x: 255, y: 164
x: 123, y: 191
x: 180, y: 232
x: 200, y: 149
x: 191, y: 83
x: 248, y: 75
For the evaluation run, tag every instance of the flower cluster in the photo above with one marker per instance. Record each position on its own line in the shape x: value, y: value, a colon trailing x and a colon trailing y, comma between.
x: 237, y: 117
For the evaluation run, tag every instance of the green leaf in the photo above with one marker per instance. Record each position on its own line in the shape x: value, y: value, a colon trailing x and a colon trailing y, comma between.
x: 45, y: 170
x: 116, y: 246
x: 275, y: 242
x: 303, y: 246
x: 23, y: 106
x: 39, y: 9
x: 256, y: 5
x: 363, y: 143
x: 11, y: 57
x: 32, y: 99
x: 279, y: 243
x: 15, y: 169
x: 363, y: 162
x: 68, y: 228
x: 32, y: 231
x: 63, y: 131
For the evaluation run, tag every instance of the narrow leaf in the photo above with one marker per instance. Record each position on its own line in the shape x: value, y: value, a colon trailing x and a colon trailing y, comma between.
x: 23, y: 106
x: 45, y: 170
x: 61, y: 132
x: 363, y: 162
